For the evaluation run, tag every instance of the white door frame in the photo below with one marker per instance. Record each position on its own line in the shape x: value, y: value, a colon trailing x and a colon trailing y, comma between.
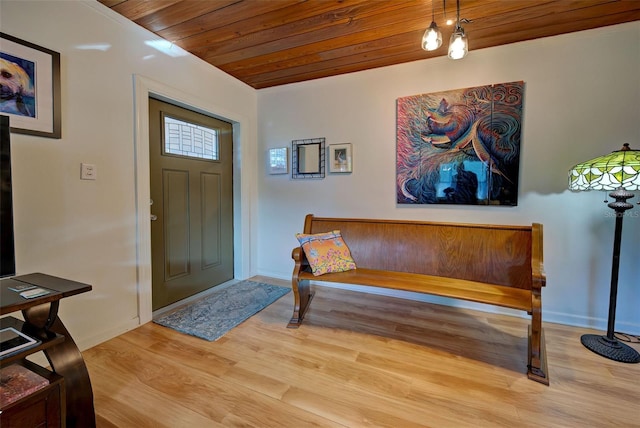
x: 143, y: 88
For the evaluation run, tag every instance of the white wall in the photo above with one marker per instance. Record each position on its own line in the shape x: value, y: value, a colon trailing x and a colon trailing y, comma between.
x: 86, y: 230
x: 581, y: 100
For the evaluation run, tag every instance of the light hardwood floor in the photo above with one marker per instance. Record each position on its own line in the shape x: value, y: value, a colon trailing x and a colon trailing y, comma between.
x: 359, y: 360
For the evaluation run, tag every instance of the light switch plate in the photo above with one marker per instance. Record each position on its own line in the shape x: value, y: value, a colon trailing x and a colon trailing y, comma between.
x: 88, y: 171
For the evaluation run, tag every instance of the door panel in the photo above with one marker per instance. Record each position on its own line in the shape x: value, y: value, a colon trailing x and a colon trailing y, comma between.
x: 191, y: 189
x: 176, y: 223
x: 211, y: 228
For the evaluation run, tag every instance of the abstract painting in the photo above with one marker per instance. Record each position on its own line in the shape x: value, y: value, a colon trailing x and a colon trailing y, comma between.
x: 460, y: 146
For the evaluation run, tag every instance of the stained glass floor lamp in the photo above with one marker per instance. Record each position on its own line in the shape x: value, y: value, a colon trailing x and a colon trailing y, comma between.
x: 619, y: 172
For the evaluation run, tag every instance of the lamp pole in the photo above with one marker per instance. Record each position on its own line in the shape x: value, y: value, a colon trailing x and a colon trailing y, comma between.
x: 619, y: 206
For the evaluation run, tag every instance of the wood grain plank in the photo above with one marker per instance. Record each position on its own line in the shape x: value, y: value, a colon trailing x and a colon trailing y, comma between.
x: 137, y: 9
x: 350, y: 24
x: 262, y: 27
x: 239, y: 13
x: 181, y: 13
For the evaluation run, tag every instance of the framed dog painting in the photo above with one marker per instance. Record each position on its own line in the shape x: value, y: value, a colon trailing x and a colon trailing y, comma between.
x: 30, y: 87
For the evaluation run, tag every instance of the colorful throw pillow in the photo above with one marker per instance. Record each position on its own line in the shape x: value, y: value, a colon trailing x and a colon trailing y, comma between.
x: 326, y: 252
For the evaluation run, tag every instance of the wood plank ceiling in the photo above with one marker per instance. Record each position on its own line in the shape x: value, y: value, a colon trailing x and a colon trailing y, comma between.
x: 267, y: 43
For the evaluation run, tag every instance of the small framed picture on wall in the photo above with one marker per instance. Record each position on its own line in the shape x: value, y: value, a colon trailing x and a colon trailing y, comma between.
x: 278, y: 161
x: 340, y: 158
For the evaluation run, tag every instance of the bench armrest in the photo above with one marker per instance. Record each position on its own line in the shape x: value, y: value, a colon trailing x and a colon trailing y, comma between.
x: 298, y: 255
x: 300, y: 259
x: 537, y: 262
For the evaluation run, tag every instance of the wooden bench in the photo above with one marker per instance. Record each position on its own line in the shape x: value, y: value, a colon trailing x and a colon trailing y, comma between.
x: 492, y: 264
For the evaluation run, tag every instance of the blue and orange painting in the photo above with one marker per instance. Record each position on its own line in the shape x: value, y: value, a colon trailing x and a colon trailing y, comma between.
x: 460, y: 146
x: 17, y: 86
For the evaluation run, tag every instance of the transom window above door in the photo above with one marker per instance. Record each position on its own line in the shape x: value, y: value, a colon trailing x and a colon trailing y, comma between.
x: 189, y: 139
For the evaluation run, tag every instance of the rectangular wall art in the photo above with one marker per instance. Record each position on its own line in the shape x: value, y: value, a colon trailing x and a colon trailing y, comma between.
x: 340, y: 158
x: 460, y: 146
x: 30, y: 82
x: 278, y: 161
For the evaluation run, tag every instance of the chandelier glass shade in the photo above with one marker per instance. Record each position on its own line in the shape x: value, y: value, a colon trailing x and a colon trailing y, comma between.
x: 432, y: 38
x: 458, y: 45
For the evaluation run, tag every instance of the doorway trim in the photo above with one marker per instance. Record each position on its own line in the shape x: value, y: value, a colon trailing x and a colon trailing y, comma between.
x: 143, y: 89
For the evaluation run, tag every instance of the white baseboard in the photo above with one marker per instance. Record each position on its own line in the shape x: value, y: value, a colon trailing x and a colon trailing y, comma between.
x: 97, y: 338
x: 589, y: 322
x: 84, y: 343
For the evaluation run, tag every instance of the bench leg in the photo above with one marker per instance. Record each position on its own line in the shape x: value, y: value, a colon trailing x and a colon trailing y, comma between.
x: 537, y: 358
x: 302, y: 296
x: 538, y: 370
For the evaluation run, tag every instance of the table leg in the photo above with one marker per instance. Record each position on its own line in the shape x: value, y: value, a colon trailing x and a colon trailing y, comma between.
x: 67, y: 361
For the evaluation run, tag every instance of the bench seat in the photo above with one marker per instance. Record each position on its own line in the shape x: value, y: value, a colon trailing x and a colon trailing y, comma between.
x: 474, y: 291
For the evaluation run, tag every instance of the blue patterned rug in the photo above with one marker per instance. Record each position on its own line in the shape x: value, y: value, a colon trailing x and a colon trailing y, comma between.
x: 212, y: 317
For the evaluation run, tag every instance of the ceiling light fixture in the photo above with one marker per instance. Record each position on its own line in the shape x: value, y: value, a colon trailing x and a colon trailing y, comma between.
x: 458, y: 45
x: 432, y: 38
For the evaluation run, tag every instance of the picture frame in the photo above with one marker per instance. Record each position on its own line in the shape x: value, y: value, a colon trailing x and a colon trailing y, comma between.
x: 278, y: 161
x: 340, y: 158
x: 308, y: 158
x: 33, y: 74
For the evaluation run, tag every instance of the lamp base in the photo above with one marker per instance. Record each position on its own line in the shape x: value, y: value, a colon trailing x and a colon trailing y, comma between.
x: 612, y: 349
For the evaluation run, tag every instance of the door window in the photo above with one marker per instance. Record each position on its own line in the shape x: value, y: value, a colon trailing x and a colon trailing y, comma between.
x: 189, y: 139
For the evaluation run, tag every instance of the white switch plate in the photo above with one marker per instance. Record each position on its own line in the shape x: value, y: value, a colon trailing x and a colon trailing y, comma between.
x: 88, y: 171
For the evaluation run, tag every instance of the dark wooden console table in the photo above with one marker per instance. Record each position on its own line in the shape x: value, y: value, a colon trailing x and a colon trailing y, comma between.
x: 42, y: 322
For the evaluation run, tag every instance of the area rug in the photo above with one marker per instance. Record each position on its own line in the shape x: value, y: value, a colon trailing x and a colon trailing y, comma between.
x: 212, y: 317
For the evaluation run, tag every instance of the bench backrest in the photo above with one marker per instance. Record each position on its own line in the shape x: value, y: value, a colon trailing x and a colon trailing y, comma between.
x: 494, y: 254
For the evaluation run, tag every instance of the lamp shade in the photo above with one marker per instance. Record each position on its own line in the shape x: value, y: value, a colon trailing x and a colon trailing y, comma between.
x: 458, y: 45
x: 432, y: 38
x: 619, y: 169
